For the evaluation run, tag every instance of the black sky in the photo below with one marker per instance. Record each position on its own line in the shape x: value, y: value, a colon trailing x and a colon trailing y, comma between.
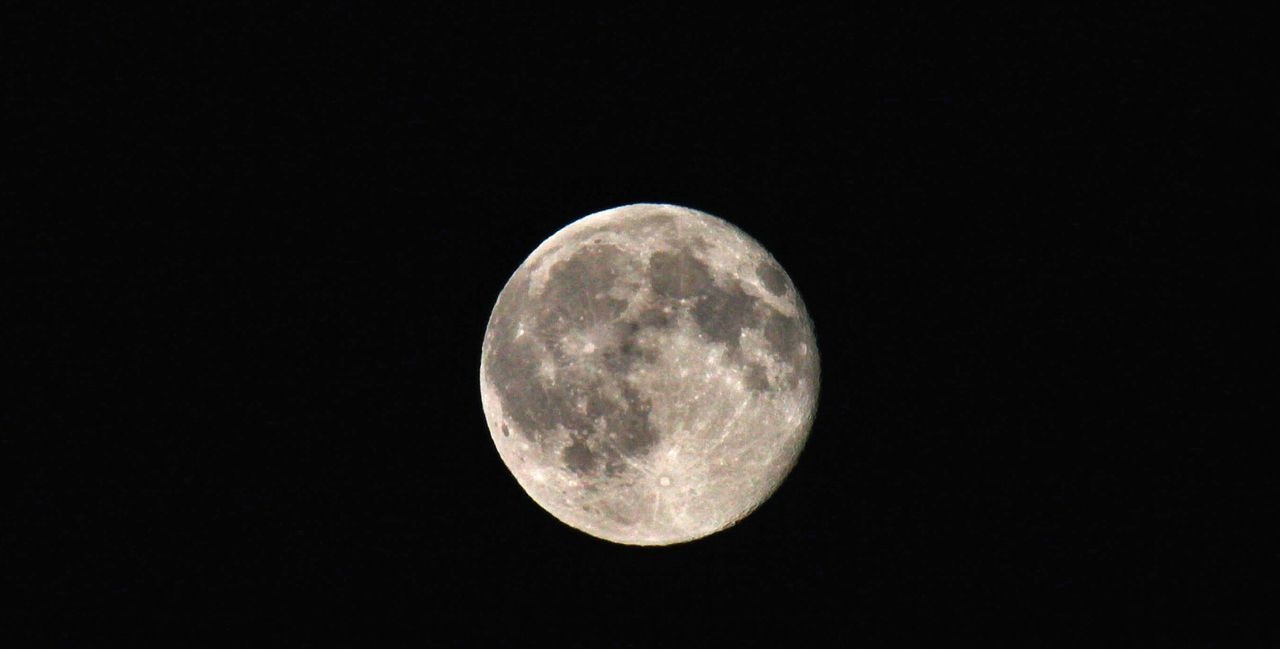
x: 256, y: 248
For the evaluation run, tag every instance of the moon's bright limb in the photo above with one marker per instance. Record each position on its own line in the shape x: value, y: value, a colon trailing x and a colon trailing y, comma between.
x: 649, y: 374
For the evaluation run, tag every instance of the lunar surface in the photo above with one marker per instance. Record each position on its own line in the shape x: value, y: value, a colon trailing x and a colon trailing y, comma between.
x: 649, y: 374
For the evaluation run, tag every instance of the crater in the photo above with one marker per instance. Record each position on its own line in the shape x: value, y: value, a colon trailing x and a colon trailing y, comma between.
x: 772, y: 277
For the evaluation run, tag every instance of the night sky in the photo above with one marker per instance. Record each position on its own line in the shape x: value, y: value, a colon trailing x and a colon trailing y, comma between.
x: 254, y: 250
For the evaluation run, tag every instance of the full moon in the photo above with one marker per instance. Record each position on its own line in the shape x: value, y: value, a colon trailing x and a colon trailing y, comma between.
x: 649, y: 374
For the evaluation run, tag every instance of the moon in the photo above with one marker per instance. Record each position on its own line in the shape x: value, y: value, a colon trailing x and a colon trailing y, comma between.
x: 649, y: 374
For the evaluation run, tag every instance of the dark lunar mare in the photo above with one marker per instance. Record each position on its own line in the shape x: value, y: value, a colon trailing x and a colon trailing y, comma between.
x: 722, y: 313
x: 574, y: 298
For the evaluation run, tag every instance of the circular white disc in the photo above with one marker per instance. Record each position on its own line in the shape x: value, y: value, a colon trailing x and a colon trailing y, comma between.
x: 649, y: 374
